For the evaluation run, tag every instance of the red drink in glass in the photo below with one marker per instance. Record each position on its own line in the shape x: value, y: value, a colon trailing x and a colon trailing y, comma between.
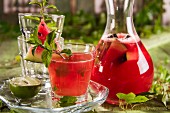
x: 123, y: 65
x: 71, y: 77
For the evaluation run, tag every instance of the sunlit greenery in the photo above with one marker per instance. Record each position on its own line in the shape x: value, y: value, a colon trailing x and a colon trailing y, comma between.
x: 88, y: 27
x: 8, y: 30
x: 148, y: 20
x: 84, y: 26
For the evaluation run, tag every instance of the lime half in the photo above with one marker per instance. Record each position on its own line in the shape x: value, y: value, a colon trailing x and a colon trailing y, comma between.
x: 24, y: 87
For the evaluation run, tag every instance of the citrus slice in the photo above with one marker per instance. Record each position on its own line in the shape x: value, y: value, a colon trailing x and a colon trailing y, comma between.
x: 24, y: 87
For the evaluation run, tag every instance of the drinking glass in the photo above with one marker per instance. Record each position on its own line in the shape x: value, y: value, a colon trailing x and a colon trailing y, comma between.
x: 71, y: 76
x: 28, y: 22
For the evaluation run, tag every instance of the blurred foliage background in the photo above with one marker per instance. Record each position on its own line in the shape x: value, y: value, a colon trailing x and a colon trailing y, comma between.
x: 89, y: 27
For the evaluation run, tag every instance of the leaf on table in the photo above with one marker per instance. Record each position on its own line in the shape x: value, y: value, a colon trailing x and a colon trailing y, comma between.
x: 131, y: 98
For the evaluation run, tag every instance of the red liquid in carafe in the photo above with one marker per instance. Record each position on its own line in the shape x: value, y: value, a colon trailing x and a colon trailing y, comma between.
x: 123, y: 65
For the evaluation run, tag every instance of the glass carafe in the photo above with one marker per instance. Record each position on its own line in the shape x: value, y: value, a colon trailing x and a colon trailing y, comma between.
x: 122, y: 63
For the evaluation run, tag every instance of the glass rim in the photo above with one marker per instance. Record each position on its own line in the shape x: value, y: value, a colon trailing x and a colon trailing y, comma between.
x: 92, y: 52
x: 39, y: 15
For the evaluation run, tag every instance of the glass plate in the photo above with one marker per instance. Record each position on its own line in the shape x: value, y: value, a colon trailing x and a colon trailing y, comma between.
x: 43, y: 103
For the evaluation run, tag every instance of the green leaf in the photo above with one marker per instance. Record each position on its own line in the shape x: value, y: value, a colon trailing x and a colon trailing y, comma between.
x: 52, y: 6
x: 138, y: 99
x: 67, y: 101
x: 34, y: 38
x: 67, y: 52
x: 32, y: 18
x: 121, y: 96
x: 52, y: 26
x: 50, y: 38
x: 126, y: 97
x: 130, y: 96
x: 44, y: 2
x: 54, y: 45
x: 49, y: 43
x: 46, y: 57
x: 81, y: 72
x: 47, y: 46
x: 35, y: 2
x: 31, y: 41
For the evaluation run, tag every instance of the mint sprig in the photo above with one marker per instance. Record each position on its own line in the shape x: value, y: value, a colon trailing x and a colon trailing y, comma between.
x: 43, y: 5
x: 67, y: 51
x: 49, y: 45
x: 32, y: 18
x: 67, y: 101
x: 129, y: 99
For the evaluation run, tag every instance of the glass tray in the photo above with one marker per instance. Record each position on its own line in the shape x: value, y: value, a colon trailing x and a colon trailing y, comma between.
x: 43, y: 103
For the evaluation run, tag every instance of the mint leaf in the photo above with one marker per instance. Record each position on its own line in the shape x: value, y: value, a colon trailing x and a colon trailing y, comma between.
x: 62, y: 70
x: 46, y: 57
x: 67, y: 101
x: 34, y: 38
x: 31, y: 41
x: 50, y: 38
x: 49, y: 42
x: 126, y: 97
x: 32, y: 18
x: 35, y: 2
x: 52, y: 6
x: 44, y: 2
x: 67, y: 52
x: 49, y: 19
x: 52, y: 26
x: 121, y: 96
x: 47, y: 46
x: 131, y: 98
x: 139, y: 99
x: 81, y: 71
